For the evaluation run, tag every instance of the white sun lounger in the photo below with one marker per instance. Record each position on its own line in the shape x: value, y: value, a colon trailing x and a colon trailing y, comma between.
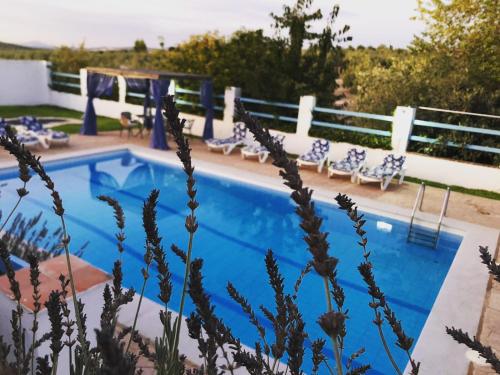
x: 257, y: 150
x: 227, y: 145
x: 317, y: 156
x: 385, y: 172
x: 348, y: 166
x: 26, y: 140
x: 47, y: 137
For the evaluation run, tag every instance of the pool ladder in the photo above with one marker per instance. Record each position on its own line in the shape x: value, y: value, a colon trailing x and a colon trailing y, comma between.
x: 426, y: 236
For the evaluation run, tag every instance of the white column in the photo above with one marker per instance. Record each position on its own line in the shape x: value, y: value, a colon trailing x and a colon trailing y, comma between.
x: 402, y: 126
x: 47, y: 82
x: 230, y: 94
x: 83, y: 82
x: 122, y: 89
x: 305, y: 116
x: 171, y: 88
x: 48, y: 66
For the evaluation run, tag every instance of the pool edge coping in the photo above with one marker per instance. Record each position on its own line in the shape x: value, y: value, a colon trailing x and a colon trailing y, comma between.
x: 466, y: 270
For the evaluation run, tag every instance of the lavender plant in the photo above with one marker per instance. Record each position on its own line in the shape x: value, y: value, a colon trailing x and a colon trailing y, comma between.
x: 26, y: 162
x: 333, y: 321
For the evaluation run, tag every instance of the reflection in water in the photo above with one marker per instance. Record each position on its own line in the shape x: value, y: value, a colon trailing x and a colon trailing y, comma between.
x: 143, y: 175
x: 101, y: 182
x: 127, y: 159
x: 140, y: 176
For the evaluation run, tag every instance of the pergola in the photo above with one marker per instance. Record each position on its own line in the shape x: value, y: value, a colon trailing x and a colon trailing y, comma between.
x: 149, y: 82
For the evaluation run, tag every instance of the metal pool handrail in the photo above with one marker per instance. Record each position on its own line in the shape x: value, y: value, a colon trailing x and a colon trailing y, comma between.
x: 444, y: 208
x: 418, y: 203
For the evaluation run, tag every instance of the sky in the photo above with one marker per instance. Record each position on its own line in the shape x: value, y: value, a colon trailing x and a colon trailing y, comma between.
x: 118, y: 23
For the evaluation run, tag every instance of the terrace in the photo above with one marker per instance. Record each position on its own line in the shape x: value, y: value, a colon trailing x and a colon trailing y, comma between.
x: 301, y: 123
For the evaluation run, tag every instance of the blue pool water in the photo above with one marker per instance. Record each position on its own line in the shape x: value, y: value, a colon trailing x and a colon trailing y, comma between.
x: 238, y: 223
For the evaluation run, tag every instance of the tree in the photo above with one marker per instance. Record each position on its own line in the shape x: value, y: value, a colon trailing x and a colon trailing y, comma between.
x: 69, y: 59
x: 161, y: 41
x: 453, y: 65
x: 462, y: 38
x: 314, y: 70
x: 297, y: 22
x: 140, y: 46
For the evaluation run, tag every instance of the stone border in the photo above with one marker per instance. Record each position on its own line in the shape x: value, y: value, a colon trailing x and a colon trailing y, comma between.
x: 460, y: 299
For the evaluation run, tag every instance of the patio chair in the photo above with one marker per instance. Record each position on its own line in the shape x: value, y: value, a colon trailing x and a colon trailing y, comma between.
x: 316, y: 156
x: 257, y: 150
x: 129, y: 124
x: 348, y: 166
x: 385, y: 172
x: 46, y: 137
x: 227, y: 145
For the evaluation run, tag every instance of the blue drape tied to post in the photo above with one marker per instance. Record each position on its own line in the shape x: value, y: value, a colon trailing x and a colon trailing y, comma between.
x: 97, y: 85
x: 142, y: 86
x: 158, y: 136
x: 207, y: 100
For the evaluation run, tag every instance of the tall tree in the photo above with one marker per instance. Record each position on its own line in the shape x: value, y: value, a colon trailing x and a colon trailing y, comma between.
x: 313, y: 69
x: 140, y: 46
x: 297, y: 21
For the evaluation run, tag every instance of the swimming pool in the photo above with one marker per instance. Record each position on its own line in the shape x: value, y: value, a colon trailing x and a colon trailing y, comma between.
x: 238, y: 223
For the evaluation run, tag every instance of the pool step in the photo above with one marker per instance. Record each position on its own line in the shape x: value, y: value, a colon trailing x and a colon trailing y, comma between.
x: 423, y: 236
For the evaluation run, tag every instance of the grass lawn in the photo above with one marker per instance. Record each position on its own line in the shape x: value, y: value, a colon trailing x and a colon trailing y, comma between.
x: 103, y: 123
x: 460, y: 189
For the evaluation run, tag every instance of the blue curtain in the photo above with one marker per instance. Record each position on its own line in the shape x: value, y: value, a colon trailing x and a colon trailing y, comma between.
x: 158, y: 136
x: 142, y: 86
x: 207, y: 100
x: 97, y: 85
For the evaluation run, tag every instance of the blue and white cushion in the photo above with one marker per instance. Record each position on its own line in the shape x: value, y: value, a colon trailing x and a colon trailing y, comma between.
x: 22, y: 138
x: 319, y: 150
x: 257, y: 148
x: 33, y: 125
x: 239, y: 134
x: 26, y: 120
x: 351, y: 162
x: 390, y: 165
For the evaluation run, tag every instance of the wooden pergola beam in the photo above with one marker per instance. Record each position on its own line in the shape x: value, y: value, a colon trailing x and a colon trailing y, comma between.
x: 146, y: 73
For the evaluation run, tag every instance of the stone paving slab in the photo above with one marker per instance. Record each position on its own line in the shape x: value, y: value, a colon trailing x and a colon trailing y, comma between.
x: 489, y: 329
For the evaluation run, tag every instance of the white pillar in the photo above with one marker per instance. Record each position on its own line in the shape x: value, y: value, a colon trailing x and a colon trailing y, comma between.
x: 171, y: 88
x: 230, y: 94
x: 83, y: 82
x: 48, y: 66
x: 305, y: 116
x: 122, y: 89
x: 402, y: 126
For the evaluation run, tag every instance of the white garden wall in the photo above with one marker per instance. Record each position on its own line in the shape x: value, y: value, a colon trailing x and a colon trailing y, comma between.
x: 25, y: 82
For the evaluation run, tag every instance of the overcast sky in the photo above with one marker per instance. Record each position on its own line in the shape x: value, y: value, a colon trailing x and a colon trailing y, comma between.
x: 117, y: 23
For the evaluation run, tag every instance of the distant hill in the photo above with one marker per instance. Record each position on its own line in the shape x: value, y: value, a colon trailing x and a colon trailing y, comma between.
x: 26, y: 46
x: 35, y: 44
x: 11, y: 46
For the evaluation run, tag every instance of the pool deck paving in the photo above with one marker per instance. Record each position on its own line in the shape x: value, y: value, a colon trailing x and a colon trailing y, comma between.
x: 464, y: 207
x: 473, y: 209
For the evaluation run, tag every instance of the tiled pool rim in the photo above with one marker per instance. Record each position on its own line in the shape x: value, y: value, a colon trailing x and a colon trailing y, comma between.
x: 460, y: 299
